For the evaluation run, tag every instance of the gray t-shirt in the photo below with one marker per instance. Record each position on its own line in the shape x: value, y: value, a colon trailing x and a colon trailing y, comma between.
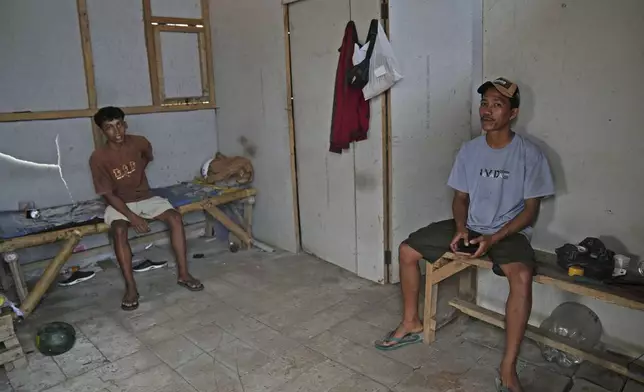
x: 499, y: 181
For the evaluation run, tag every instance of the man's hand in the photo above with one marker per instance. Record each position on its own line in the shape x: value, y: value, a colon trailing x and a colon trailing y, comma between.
x: 485, y: 243
x: 460, y: 234
x: 140, y: 225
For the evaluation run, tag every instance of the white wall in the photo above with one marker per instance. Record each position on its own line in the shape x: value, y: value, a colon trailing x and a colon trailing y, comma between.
x: 250, y: 77
x: 38, y: 71
x: 182, y: 140
x: 578, y: 64
x: 430, y: 108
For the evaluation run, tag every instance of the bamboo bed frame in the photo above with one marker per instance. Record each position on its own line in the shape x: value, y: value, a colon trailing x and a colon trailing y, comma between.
x: 72, y: 236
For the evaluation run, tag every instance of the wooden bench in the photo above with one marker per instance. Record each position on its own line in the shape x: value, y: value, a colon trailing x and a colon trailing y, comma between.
x: 462, y: 273
x: 72, y: 236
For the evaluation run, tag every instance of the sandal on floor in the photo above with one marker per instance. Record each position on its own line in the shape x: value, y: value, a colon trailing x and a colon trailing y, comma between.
x: 193, y: 285
x: 409, y: 338
x: 500, y: 387
x: 129, y: 306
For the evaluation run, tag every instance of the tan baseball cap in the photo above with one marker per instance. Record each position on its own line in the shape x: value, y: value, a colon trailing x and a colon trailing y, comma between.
x: 505, y: 87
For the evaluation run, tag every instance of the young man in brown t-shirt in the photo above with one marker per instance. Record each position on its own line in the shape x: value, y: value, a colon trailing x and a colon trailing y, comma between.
x: 118, y: 171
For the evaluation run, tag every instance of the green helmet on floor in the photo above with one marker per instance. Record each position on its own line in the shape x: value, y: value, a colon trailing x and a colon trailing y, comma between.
x: 55, y: 338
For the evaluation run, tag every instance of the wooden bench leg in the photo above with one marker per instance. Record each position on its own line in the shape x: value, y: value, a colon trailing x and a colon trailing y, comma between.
x: 436, y: 272
x: 210, y: 226
x: 248, y: 215
x: 11, y: 259
x: 230, y: 225
x: 50, y: 274
x: 467, y: 284
x: 431, y: 298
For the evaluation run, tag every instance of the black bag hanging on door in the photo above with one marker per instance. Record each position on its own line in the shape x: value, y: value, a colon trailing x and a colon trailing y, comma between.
x: 358, y: 75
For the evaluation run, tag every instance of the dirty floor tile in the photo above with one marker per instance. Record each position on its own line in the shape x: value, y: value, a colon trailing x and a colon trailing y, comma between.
x: 207, y: 375
x: 5, y: 385
x: 209, y: 338
x: 158, y: 379
x: 359, y: 383
x: 84, y: 356
x: 600, y: 376
x: 633, y: 386
x: 87, y: 382
x: 239, y: 356
x: 270, y: 341
x: 484, y: 335
x: 419, y: 382
x: 323, y: 320
x: 277, y: 372
x: 110, y: 337
x: 321, y: 377
x: 581, y: 385
x: 177, y: 351
x: 128, y: 366
x: 146, y: 320
x: 41, y: 373
x: 455, y: 361
x: 361, y: 360
x: 535, y: 379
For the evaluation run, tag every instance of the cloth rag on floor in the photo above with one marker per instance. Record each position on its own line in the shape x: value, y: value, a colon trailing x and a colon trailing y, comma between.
x: 350, y: 121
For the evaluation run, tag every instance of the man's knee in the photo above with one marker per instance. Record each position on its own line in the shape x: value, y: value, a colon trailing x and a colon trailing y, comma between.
x: 119, y: 229
x: 408, y: 256
x: 519, y: 275
x: 173, y: 218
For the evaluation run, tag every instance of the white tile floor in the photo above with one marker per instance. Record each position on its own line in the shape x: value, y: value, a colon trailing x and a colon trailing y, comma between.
x: 266, y: 322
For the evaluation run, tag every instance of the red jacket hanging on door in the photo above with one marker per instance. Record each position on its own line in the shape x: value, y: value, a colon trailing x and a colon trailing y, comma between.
x: 350, y: 121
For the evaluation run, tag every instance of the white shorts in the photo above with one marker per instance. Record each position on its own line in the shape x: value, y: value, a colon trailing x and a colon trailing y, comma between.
x: 146, y: 209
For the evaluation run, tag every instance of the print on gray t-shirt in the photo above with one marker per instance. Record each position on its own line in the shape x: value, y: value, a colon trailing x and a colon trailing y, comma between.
x: 499, y: 180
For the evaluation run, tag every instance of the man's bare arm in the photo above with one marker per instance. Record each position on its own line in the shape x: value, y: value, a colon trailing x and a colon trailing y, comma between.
x: 460, y: 205
x: 118, y: 204
x: 521, y: 221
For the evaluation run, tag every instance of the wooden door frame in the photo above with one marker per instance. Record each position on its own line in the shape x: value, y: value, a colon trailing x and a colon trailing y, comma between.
x: 386, y: 142
x: 291, y: 128
x: 386, y: 161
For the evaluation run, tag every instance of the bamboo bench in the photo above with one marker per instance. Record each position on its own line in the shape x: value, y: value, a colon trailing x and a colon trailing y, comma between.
x: 463, y: 274
x: 72, y: 236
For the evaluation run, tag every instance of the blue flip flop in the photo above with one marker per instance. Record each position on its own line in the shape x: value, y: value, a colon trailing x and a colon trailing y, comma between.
x: 409, y: 338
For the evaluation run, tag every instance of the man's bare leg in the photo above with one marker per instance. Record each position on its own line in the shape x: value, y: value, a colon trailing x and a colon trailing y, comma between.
x: 123, y: 254
x: 517, y: 312
x: 178, y: 239
x: 410, y: 281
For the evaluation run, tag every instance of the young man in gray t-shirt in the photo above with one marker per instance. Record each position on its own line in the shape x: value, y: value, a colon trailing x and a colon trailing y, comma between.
x: 499, y: 179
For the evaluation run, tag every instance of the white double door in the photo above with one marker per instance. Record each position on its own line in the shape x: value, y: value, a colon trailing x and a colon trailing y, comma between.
x: 341, y: 199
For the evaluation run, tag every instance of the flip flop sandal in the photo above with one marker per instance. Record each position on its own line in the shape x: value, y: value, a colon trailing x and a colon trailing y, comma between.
x: 132, y: 305
x: 192, y: 286
x: 502, y: 388
x: 409, y: 338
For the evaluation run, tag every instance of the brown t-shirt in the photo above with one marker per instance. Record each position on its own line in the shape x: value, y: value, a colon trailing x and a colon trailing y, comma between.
x: 122, y: 171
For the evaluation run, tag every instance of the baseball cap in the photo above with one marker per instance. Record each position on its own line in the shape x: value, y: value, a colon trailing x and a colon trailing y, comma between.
x: 505, y: 87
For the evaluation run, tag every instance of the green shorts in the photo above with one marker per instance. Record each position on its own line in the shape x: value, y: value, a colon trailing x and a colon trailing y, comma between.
x: 433, y: 241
